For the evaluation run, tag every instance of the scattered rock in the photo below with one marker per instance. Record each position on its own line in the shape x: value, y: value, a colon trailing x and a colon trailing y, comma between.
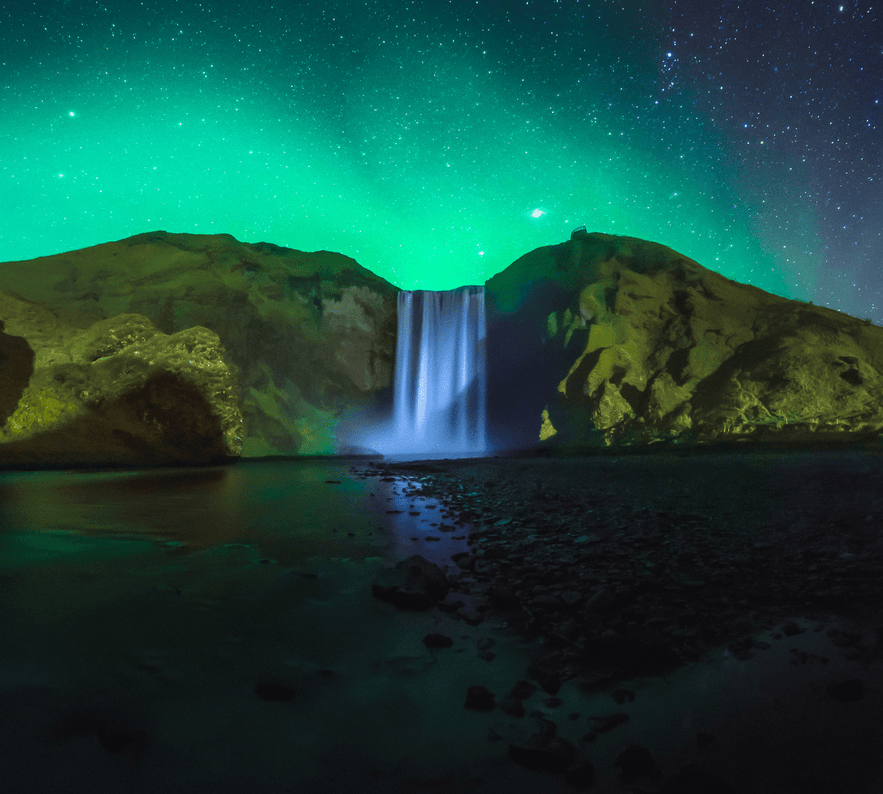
x: 437, y: 641
x: 470, y: 616
x: 451, y: 605
x: 511, y: 705
x: 414, y: 584
x: 479, y: 698
x: 114, y: 737
x: 799, y: 656
x: 623, y: 695
x: 543, y: 753
x: 523, y: 690
x: 765, y: 564
x: 791, y: 629
x: 601, y: 603
x: 484, y: 645
x: 609, y: 722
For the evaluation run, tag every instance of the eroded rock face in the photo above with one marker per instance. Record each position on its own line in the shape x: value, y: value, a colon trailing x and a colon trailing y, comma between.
x: 120, y: 392
x: 312, y: 334
x: 615, y: 341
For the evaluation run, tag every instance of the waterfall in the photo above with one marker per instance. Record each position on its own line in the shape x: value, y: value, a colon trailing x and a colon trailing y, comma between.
x: 439, y: 387
x: 440, y: 392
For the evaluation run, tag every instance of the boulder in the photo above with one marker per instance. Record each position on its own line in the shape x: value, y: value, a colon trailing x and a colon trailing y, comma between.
x: 414, y: 583
x: 543, y: 753
x: 118, y: 393
x: 616, y: 341
x: 312, y: 335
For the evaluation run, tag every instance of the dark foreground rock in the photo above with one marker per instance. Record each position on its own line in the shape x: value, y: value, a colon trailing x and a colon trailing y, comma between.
x: 415, y: 583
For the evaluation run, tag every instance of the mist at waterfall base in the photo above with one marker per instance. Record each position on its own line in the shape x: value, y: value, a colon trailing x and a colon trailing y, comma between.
x: 440, y: 381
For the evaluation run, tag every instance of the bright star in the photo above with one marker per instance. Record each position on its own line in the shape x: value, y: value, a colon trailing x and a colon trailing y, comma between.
x: 537, y: 213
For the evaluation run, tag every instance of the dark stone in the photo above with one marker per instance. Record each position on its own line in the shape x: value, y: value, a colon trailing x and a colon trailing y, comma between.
x: 437, y: 641
x: 791, y: 628
x: 523, y: 689
x: 479, y: 698
x: 471, y: 617
x: 543, y: 753
x: 634, y: 762
x: 451, y: 605
x: 549, y: 681
x: 414, y: 583
x: 543, y: 727
x: 601, y: 603
x: 610, y: 721
x: 511, y: 705
x: 623, y: 695
x: 504, y: 597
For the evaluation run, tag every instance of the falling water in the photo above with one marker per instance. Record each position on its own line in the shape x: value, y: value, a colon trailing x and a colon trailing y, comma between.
x: 439, y: 388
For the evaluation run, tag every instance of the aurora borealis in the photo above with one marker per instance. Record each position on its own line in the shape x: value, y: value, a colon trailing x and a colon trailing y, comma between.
x: 435, y: 141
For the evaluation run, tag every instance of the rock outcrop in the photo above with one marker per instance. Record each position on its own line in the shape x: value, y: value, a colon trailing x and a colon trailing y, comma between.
x: 312, y: 335
x: 119, y: 393
x: 616, y: 341
x: 601, y: 341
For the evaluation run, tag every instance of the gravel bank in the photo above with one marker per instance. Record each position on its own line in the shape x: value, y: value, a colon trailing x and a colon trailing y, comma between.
x: 631, y: 565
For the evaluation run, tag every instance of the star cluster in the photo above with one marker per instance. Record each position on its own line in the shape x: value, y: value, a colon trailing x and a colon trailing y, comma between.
x: 435, y: 141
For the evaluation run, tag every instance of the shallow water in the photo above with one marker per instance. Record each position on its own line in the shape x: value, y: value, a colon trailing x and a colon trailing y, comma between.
x: 156, y: 602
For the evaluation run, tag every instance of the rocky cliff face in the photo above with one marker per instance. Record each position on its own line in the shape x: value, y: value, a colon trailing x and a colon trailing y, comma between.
x: 311, y: 334
x: 117, y: 393
x: 616, y: 341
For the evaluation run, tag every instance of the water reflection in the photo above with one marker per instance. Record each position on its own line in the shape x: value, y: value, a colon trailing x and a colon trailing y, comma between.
x: 292, y: 510
x: 418, y: 523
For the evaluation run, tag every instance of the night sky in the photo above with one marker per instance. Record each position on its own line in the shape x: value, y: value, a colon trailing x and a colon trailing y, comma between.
x: 435, y: 141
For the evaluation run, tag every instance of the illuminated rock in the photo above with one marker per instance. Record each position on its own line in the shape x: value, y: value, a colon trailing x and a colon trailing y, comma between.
x: 616, y: 341
x: 311, y: 334
x: 117, y: 393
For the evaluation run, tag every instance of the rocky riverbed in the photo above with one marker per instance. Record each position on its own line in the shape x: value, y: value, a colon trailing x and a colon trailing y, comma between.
x: 635, y: 565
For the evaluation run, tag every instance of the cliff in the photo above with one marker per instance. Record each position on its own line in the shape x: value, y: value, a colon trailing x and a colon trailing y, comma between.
x: 312, y: 335
x: 119, y: 393
x: 616, y: 341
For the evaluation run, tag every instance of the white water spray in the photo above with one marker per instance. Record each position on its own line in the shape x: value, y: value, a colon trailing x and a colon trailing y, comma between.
x: 440, y: 387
